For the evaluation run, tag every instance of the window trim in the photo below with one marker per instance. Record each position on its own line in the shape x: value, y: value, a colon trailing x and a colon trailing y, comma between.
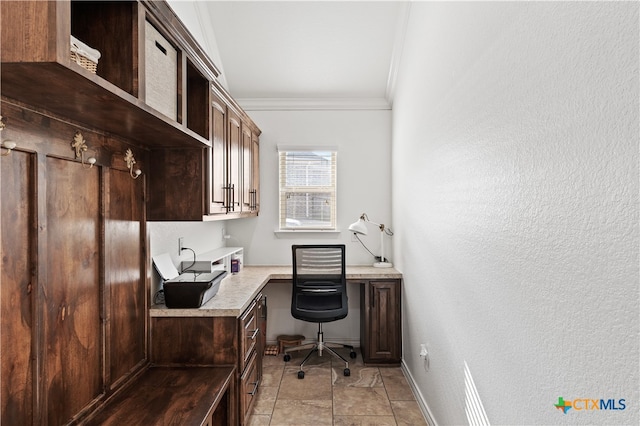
x: 283, y: 190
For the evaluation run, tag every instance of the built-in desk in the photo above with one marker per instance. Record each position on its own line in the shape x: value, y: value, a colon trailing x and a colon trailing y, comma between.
x: 228, y: 329
x: 237, y: 291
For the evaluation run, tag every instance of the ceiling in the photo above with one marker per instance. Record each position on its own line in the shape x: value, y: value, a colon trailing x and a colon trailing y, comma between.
x: 306, y: 50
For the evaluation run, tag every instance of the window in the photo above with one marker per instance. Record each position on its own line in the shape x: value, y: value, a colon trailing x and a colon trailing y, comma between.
x: 307, y: 188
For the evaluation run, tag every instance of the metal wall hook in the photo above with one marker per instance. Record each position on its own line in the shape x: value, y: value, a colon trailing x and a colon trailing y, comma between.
x: 80, y: 146
x: 8, y: 145
x: 130, y: 160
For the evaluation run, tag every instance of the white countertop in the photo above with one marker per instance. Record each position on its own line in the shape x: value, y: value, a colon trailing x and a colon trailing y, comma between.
x: 238, y: 290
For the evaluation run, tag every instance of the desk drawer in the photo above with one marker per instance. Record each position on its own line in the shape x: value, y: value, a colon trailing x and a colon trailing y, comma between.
x: 249, y: 334
x: 249, y: 382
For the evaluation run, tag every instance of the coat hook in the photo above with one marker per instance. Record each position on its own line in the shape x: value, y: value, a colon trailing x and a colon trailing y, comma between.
x: 130, y: 160
x: 8, y: 145
x: 80, y: 146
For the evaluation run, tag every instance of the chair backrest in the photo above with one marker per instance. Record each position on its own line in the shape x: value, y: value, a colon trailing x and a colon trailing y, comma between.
x: 319, y: 283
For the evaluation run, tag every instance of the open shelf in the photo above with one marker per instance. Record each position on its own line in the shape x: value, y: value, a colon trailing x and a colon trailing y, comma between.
x: 111, y: 28
x: 198, y: 95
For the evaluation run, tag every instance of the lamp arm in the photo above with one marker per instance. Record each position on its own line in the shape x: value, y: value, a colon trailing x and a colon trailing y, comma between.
x: 382, y: 227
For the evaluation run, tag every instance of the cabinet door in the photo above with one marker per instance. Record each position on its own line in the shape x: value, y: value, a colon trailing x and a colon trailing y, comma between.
x: 255, y: 171
x: 247, y: 168
x: 218, y: 159
x: 235, y: 166
x: 382, y: 317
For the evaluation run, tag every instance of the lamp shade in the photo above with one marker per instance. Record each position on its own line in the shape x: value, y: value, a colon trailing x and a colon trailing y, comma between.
x: 358, y: 227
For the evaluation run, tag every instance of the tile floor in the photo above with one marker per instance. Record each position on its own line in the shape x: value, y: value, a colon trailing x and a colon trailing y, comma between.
x: 369, y: 396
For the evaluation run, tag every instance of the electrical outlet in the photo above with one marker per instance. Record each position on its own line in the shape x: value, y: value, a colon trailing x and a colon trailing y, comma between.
x: 423, y: 350
x: 180, y: 245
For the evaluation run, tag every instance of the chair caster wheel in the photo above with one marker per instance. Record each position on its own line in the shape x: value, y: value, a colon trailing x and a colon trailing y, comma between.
x: 300, y: 374
x: 287, y: 358
x: 347, y: 372
x: 353, y: 355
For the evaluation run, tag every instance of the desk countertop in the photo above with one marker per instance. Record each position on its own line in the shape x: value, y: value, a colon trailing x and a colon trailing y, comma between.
x: 237, y: 291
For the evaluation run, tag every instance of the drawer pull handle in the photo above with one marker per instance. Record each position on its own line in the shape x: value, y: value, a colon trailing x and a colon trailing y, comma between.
x: 255, y: 333
x: 255, y: 389
x: 319, y: 290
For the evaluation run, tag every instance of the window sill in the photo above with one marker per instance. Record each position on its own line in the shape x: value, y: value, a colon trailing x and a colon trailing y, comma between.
x: 291, y: 233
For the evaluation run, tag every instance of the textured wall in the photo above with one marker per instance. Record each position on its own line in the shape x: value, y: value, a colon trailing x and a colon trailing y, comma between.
x: 518, y: 122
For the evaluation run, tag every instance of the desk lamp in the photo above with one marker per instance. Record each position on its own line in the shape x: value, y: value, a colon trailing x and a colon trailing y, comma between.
x: 360, y: 227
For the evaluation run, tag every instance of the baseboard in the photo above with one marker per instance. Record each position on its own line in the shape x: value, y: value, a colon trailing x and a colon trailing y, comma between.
x: 424, y: 407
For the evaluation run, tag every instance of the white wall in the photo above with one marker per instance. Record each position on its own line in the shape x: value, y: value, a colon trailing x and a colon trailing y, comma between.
x: 363, y: 139
x: 199, y: 236
x: 518, y: 125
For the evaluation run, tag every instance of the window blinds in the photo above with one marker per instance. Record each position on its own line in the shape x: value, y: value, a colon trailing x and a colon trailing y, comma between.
x: 307, y: 189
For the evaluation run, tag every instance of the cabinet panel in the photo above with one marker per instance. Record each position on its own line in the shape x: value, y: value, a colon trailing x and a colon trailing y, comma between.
x: 17, y: 287
x: 247, y: 169
x: 72, y: 323
x: 218, y: 158
x: 177, y: 178
x: 125, y: 286
x: 381, y: 323
x: 255, y: 171
x: 235, y: 168
x: 250, y: 169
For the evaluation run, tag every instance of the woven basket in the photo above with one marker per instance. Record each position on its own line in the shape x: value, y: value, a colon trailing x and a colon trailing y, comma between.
x: 84, y: 62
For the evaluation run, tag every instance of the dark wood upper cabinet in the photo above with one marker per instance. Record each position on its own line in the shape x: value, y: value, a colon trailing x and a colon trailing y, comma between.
x: 37, y: 68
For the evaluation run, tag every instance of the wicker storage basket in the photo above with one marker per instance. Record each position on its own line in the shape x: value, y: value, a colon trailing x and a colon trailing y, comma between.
x: 84, y: 55
x: 84, y: 62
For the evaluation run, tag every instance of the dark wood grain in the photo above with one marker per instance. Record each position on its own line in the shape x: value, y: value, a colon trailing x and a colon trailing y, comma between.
x: 218, y: 157
x: 17, y: 282
x: 381, y: 322
x: 177, y: 184
x: 197, y: 101
x: 171, y: 396
x: 194, y: 340
x: 92, y: 21
x: 125, y: 284
x: 72, y: 306
x: 30, y: 41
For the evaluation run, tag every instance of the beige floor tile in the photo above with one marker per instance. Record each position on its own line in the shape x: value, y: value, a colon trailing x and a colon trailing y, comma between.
x: 391, y: 371
x: 302, y: 412
x: 258, y: 420
x: 397, y: 387
x: 360, y: 401
x: 364, y: 421
x: 265, y: 400
x: 271, y: 375
x: 272, y: 360
x: 315, y: 385
x: 363, y: 377
x: 408, y: 413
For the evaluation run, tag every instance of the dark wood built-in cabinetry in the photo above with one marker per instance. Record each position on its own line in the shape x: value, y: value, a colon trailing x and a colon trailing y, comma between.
x: 75, y: 274
x: 380, y: 334
x: 216, y: 341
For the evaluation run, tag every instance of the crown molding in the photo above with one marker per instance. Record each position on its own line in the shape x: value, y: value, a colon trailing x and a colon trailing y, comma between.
x: 304, y: 104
